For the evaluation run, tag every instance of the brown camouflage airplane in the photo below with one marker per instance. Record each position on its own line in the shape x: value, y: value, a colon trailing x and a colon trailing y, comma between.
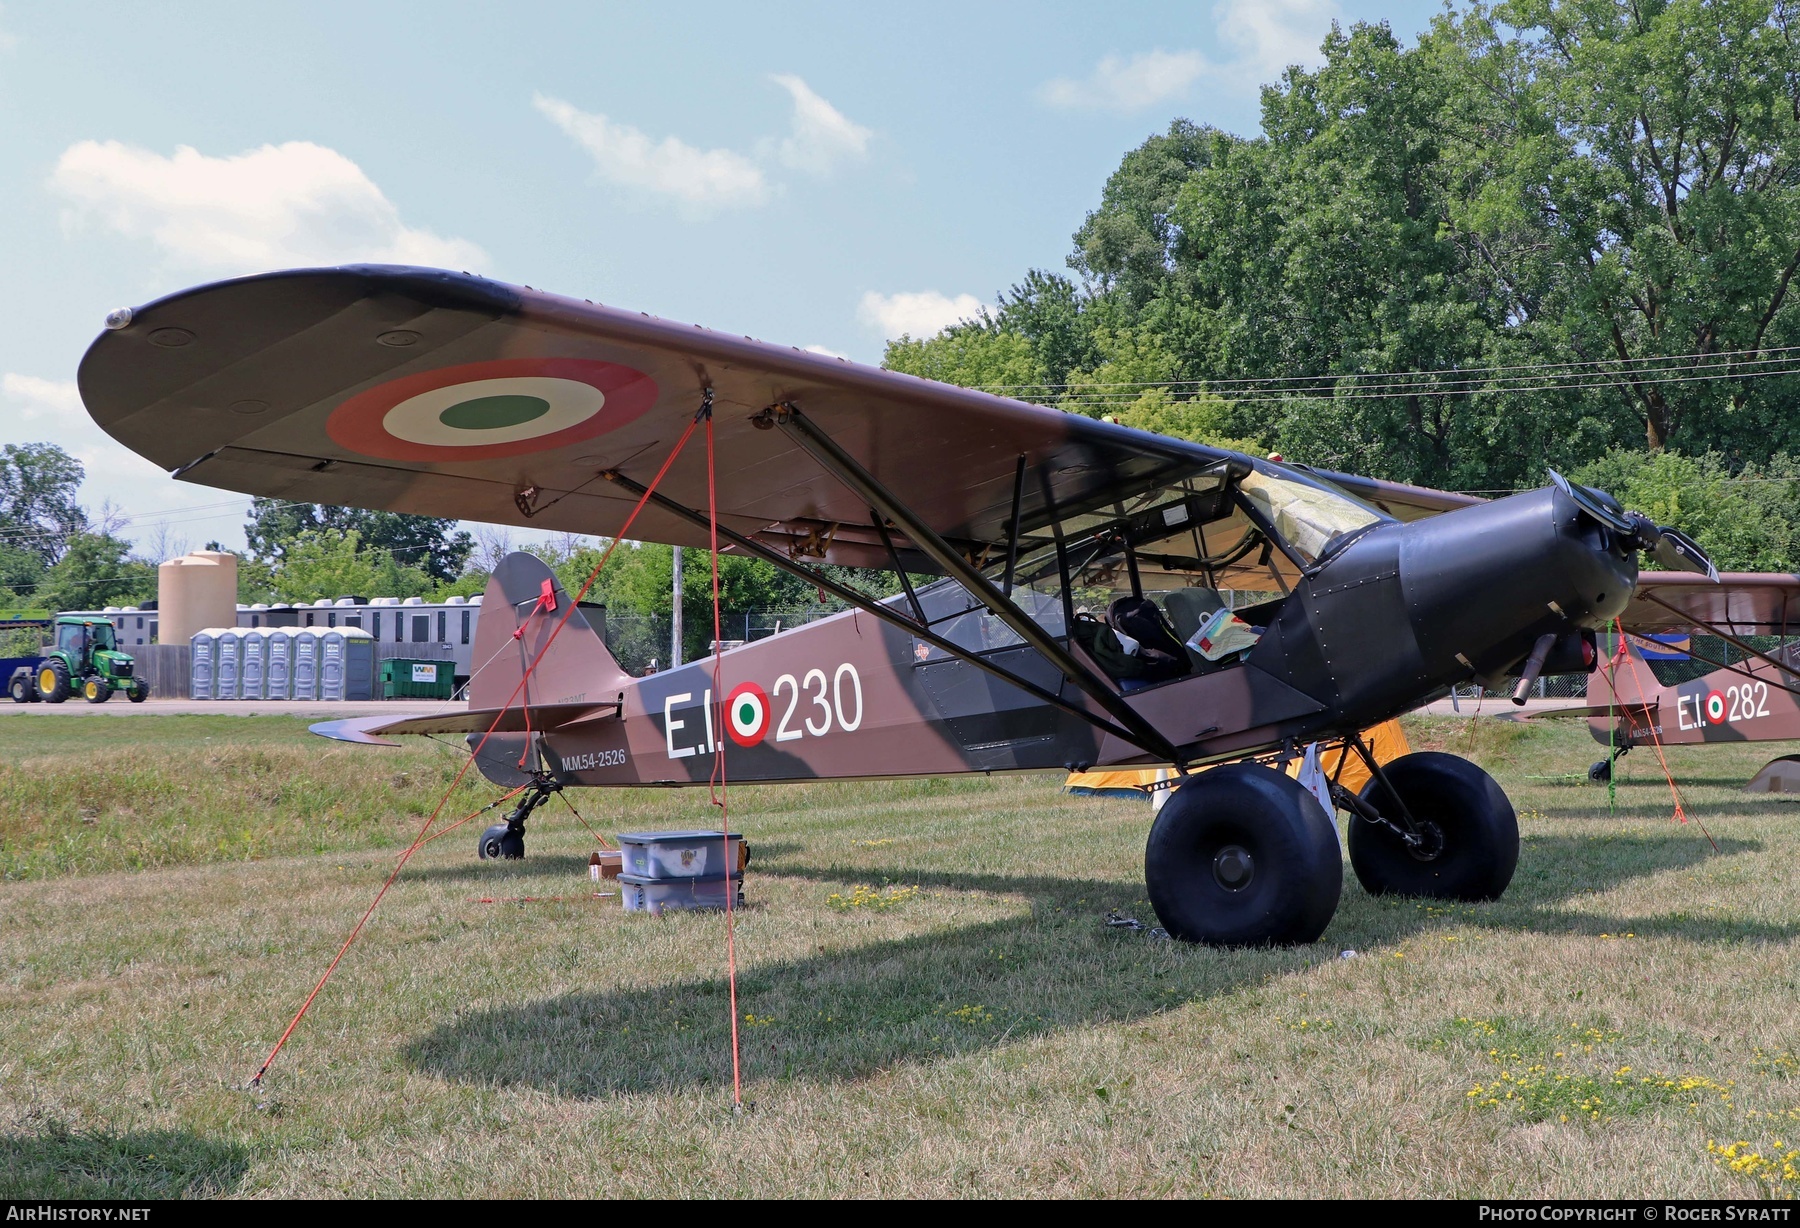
x: 1648, y: 691
x: 429, y: 392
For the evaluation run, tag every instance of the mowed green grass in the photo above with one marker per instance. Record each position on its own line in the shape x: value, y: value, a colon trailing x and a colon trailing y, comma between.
x: 965, y: 1024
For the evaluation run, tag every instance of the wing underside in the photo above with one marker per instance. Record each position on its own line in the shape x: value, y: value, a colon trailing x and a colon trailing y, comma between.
x: 447, y: 395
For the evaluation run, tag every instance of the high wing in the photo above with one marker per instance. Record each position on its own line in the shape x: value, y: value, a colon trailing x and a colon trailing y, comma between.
x: 1741, y: 603
x: 421, y: 391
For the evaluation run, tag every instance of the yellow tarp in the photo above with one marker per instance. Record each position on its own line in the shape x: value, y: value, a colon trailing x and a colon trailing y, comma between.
x: 1387, y: 740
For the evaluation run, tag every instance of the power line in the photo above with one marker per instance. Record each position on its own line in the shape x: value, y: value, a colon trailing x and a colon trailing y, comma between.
x: 1471, y: 373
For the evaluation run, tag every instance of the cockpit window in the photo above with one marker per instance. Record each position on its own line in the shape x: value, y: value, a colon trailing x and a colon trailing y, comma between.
x: 1312, y: 519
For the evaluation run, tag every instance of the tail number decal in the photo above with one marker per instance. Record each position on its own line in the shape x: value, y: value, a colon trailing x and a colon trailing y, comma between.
x: 1737, y: 702
x: 834, y: 702
x: 844, y: 706
x: 1747, y: 700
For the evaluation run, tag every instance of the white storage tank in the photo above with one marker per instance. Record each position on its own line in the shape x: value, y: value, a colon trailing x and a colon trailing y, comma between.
x: 228, y: 647
x: 195, y: 592
x: 278, y: 673
x: 306, y: 663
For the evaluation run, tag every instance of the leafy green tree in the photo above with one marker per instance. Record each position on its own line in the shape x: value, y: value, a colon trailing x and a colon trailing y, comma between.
x: 95, y: 571
x: 38, y: 512
x: 1747, y: 521
x: 429, y: 544
x: 330, y: 563
x: 1643, y: 195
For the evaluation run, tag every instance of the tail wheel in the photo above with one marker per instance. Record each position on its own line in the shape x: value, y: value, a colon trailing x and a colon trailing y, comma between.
x: 1471, y: 836
x: 53, y: 682
x: 1243, y: 856
x: 96, y: 691
x: 488, y: 847
x: 1600, y: 772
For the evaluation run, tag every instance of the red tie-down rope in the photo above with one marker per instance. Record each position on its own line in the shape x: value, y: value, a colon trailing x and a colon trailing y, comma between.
x: 716, y: 785
x: 422, y: 837
x: 1623, y: 651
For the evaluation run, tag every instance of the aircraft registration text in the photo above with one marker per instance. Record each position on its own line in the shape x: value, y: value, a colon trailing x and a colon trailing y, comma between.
x: 594, y: 759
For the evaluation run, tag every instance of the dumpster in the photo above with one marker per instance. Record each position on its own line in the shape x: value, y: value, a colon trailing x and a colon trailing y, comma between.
x: 405, y: 679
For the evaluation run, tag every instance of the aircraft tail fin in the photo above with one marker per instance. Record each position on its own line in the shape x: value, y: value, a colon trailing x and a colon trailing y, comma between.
x: 523, y: 604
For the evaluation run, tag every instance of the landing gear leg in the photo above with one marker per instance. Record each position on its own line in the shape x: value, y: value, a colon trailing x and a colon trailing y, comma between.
x: 1602, y: 771
x: 507, y: 840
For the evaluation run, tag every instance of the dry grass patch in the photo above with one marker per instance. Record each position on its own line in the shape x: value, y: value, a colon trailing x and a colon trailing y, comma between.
x: 929, y: 1002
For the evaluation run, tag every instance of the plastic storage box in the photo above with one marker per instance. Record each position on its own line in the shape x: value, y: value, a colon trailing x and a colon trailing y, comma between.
x: 655, y: 895
x: 679, y: 854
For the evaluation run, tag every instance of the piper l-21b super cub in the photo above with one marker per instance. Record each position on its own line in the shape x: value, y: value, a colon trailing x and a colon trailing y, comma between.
x: 420, y: 391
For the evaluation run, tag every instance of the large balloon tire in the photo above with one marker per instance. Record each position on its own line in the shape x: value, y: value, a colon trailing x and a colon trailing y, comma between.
x: 1242, y: 856
x: 1471, y: 830
x: 57, y: 675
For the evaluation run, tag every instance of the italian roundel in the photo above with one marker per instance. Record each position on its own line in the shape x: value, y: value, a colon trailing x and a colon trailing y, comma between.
x: 1715, y: 708
x: 747, y: 714
x: 483, y: 410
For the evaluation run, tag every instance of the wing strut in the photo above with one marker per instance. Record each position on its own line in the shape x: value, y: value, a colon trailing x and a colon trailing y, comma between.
x: 881, y: 610
x: 839, y: 463
x: 1729, y: 638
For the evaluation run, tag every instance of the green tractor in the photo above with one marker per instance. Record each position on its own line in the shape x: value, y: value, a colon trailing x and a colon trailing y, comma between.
x: 85, y: 658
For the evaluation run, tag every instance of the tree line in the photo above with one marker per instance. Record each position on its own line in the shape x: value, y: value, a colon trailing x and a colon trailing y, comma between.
x: 1550, y: 233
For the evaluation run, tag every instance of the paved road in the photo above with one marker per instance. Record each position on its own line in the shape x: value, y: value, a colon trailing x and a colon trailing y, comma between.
x: 118, y: 705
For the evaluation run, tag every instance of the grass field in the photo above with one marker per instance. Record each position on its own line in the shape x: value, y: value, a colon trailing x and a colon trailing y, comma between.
x: 931, y: 1001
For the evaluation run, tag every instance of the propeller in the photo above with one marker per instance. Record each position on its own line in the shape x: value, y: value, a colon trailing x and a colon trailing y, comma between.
x: 1671, y: 549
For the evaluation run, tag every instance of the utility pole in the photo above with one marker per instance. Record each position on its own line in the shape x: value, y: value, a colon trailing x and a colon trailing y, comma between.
x: 675, y: 637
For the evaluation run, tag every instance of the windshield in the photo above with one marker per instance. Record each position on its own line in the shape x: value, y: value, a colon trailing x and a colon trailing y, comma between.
x: 1312, y: 519
x: 102, y: 635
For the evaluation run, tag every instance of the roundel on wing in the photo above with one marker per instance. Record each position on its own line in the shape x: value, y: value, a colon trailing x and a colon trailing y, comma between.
x: 483, y: 410
x: 747, y: 714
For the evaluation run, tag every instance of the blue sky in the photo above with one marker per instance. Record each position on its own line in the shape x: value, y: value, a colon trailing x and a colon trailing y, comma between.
x: 817, y: 175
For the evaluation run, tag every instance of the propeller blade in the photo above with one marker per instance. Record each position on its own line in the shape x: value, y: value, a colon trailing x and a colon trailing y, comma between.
x: 1589, y: 501
x: 1672, y: 549
x: 1676, y: 551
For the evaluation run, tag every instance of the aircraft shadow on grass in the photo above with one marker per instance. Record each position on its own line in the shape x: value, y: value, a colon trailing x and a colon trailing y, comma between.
x: 61, y: 1163
x: 849, y: 1012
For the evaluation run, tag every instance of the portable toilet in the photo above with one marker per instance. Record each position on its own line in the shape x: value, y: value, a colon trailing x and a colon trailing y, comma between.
x: 306, y: 663
x: 202, y: 655
x: 346, y: 664
x: 228, y: 646
x: 253, y: 657
x: 278, y: 674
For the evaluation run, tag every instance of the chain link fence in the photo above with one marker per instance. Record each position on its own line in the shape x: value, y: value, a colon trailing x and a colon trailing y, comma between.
x: 641, y: 642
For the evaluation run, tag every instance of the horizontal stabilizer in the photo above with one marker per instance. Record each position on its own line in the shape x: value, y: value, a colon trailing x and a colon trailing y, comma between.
x: 371, y: 730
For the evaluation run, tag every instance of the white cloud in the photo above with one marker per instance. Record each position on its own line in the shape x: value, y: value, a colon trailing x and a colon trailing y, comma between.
x: 38, y: 410
x: 1263, y: 38
x: 1119, y: 84
x: 698, y: 178
x: 920, y: 314
x: 820, y: 134
x: 273, y: 207
x: 819, y: 137
x: 36, y: 399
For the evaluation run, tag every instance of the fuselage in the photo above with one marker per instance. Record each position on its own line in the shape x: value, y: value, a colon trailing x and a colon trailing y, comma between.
x: 1390, y: 621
